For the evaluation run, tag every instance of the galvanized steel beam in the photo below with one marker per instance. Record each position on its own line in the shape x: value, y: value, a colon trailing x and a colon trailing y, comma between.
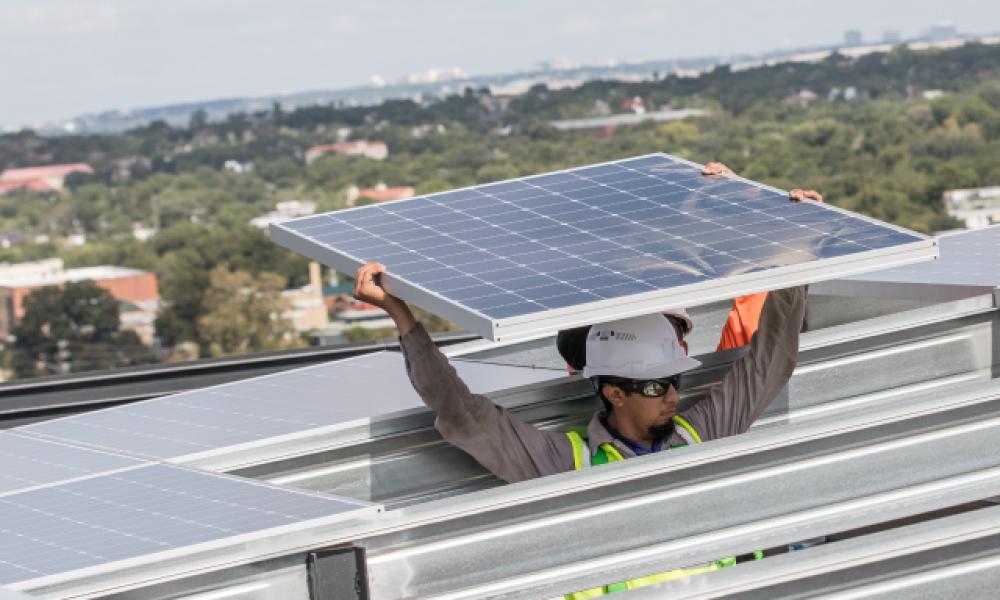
x: 953, y: 556
x: 766, y: 488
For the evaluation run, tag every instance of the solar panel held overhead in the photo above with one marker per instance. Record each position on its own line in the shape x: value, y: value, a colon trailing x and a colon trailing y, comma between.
x: 526, y: 257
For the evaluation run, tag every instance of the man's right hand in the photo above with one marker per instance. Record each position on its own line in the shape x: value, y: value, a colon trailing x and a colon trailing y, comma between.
x: 368, y: 288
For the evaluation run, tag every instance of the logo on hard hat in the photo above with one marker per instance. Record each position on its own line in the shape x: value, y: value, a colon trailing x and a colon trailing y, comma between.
x: 622, y: 336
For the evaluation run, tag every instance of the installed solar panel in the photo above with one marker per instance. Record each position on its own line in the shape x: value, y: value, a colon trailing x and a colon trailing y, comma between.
x: 145, y: 511
x: 526, y: 257
x: 967, y: 258
x: 183, y: 426
x: 30, y: 462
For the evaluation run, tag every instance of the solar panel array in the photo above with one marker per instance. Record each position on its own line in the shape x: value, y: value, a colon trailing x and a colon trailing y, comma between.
x: 967, y: 258
x: 254, y: 410
x: 141, y: 512
x: 94, y: 489
x: 554, y: 250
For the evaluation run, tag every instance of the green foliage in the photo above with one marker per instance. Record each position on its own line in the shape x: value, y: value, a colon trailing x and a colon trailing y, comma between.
x: 74, y: 328
x: 243, y: 313
x: 188, y: 253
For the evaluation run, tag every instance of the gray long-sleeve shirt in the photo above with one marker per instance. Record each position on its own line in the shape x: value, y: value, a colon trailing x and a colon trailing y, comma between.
x: 514, y: 450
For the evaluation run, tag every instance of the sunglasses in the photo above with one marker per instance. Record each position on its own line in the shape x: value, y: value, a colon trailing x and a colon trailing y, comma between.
x: 650, y: 388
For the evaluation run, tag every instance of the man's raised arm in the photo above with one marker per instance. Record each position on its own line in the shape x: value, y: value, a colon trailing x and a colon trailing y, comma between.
x: 509, y: 448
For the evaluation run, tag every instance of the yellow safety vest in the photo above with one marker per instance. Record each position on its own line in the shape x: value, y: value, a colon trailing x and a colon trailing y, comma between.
x: 607, y: 453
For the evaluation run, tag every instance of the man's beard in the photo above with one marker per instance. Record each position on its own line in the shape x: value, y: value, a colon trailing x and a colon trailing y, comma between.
x: 662, y: 432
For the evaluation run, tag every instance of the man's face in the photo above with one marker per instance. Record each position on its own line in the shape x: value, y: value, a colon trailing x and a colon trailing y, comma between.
x: 645, y: 413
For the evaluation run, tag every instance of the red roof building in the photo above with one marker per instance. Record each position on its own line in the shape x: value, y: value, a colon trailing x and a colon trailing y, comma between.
x: 47, y: 178
x: 136, y: 287
x: 34, y: 185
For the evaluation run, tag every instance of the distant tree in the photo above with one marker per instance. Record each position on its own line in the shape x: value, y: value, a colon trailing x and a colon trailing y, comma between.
x: 243, y: 313
x: 198, y: 120
x: 74, y: 328
x: 76, y: 179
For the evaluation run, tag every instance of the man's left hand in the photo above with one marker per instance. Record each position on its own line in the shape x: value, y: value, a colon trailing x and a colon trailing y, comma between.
x: 716, y: 168
x: 798, y: 195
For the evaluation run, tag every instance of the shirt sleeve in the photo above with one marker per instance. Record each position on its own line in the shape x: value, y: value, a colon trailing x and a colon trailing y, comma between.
x: 756, y: 378
x: 508, y: 447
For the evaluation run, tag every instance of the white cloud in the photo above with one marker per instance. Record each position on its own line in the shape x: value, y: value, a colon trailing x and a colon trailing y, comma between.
x: 60, y: 16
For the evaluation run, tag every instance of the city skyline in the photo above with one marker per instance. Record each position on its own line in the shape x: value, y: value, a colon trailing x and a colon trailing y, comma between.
x: 81, y: 56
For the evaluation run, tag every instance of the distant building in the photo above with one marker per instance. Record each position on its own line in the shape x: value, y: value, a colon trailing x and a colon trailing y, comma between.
x: 852, y: 37
x: 138, y: 288
x: 141, y: 232
x: 348, y: 313
x: 306, y: 309
x: 379, y: 193
x: 41, y: 179
x: 976, y: 207
x: 237, y: 167
x: 891, y: 36
x: 636, y: 105
x: 289, y: 209
x: 434, y: 76
x: 802, y: 99
x: 604, y: 126
x: 374, y: 149
x: 941, y: 33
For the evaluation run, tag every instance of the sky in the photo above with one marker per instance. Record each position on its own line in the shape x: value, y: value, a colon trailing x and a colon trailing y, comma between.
x: 62, y: 58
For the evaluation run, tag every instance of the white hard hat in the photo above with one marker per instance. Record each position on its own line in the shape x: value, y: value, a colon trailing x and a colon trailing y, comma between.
x: 643, y: 347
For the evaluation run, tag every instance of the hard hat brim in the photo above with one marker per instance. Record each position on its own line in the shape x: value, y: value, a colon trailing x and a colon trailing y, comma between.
x: 633, y: 371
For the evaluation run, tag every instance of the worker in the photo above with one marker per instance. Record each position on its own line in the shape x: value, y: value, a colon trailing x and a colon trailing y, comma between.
x: 635, y: 365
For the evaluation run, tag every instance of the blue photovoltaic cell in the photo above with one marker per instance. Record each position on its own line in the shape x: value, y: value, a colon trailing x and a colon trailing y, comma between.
x: 141, y: 511
x: 967, y: 258
x: 574, y: 237
x: 256, y: 409
x: 30, y: 462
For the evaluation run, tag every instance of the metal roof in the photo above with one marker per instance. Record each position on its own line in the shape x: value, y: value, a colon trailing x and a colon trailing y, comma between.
x: 888, y: 415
